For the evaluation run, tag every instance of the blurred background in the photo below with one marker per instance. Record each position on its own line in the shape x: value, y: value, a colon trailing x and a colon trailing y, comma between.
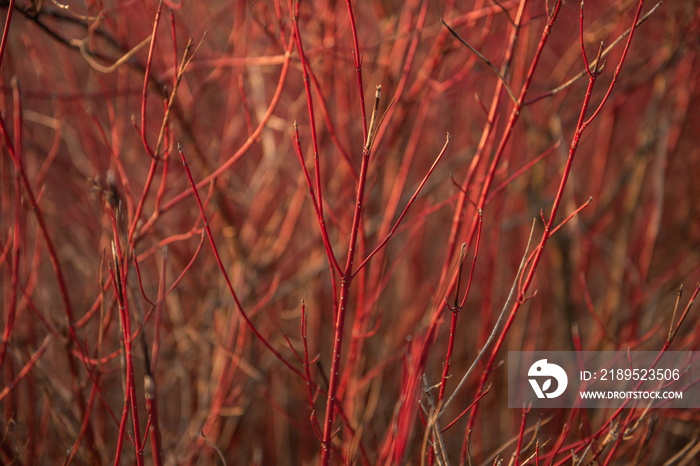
x: 88, y: 114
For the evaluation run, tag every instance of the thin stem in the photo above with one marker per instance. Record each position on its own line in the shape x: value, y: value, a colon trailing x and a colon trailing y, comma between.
x: 405, y: 210
x: 605, y: 53
x: 357, y: 56
x: 484, y: 59
x: 147, y: 73
x: 319, y: 215
x: 583, y: 47
x: 236, y: 156
x: 346, y: 281
x: 119, y: 279
x: 239, y: 306
x: 155, y: 155
x: 580, y: 128
x: 521, y: 434
x: 6, y: 29
x: 312, y: 118
x: 486, y: 135
x: 491, y: 337
x: 16, y: 227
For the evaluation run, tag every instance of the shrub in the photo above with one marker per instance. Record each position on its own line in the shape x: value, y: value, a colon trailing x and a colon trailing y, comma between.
x: 283, y: 232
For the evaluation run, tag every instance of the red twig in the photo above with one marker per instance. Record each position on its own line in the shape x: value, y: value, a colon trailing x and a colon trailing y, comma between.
x: 467, y: 409
x: 523, y: 423
x: 405, y: 210
x: 307, y: 373
x: 27, y: 367
x: 119, y: 279
x: 128, y: 393
x: 16, y: 235
x: 146, y: 77
x: 312, y: 117
x: 317, y: 208
x: 357, y: 56
x: 152, y: 394
x: 486, y: 135
x: 456, y: 308
x: 186, y: 58
x: 6, y: 29
x: 346, y: 281
x: 63, y: 289
x: 236, y: 156
x: 239, y: 306
x: 580, y: 128
x: 330, y: 126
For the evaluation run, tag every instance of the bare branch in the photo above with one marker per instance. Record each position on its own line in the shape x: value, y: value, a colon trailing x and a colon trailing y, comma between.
x: 484, y: 59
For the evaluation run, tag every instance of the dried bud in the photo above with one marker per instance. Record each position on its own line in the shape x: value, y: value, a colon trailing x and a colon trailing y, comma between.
x: 149, y: 387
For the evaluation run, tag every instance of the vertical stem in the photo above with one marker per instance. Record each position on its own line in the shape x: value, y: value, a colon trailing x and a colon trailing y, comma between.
x: 581, y: 126
x: 358, y: 68
x: 6, y: 30
x: 346, y: 281
x: 147, y: 73
x: 120, y: 280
